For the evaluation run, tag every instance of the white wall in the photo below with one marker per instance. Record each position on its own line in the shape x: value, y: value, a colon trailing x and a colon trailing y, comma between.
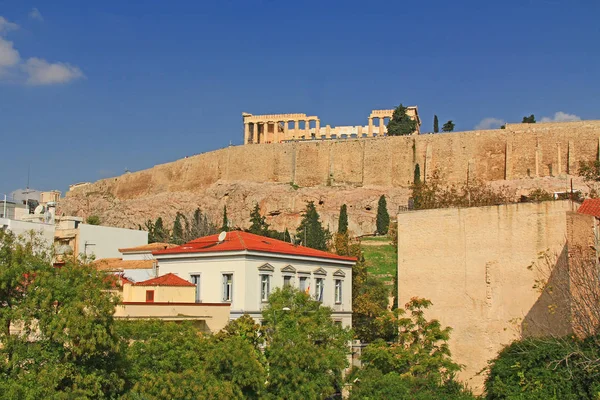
x: 246, y: 280
x: 105, y: 241
x: 22, y: 227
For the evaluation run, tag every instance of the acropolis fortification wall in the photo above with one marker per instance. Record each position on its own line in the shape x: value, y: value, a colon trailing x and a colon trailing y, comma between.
x: 519, y: 151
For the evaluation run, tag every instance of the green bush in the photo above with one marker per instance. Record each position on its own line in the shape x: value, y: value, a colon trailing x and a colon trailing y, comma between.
x: 547, y: 368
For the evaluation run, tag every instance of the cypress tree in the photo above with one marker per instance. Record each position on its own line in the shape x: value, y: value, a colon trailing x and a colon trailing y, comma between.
x: 436, y: 126
x: 225, y: 226
x: 160, y: 233
x: 343, y: 220
x: 258, y: 225
x: 383, y: 218
x: 417, y: 177
x: 177, y: 233
x: 310, y: 231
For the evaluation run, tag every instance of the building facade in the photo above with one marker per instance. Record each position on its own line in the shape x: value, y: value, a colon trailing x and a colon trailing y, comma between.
x: 277, y: 128
x: 243, y: 269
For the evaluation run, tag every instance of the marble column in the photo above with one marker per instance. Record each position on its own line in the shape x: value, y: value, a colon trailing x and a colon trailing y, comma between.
x: 296, y: 128
x: 370, y: 131
x: 328, y: 131
x: 359, y: 131
x: 307, y: 129
x: 381, y: 125
x: 276, y: 132
x: 285, y: 129
x: 318, y: 129
x: 255, y: 133
x: 246, y: 133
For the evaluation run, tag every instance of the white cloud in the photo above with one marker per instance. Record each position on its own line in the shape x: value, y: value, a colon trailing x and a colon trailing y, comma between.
x: 6, y: 25
x: 41, y: 72
x: 36, y: 14
x: 561, y: 117
x: 489, y: 123
x: 35, y: 71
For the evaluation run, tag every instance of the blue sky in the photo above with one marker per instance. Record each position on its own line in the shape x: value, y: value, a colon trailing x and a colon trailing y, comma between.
x: 88, y: 89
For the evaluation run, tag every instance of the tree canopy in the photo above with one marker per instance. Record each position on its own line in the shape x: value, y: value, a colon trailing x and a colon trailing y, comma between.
x: 383, y: 217
x: 258, y: 224
x: 436, y: 126
x: 401, y: 123
x: 343, y: 219
x: 448, y: 126
x: 310, y: 231
x: 528, y: 119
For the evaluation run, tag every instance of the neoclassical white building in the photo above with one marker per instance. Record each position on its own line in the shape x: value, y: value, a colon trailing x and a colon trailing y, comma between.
x: 243, y: 269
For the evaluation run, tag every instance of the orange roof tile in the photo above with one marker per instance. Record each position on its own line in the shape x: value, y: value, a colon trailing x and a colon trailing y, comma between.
x: 590, y: 207
x: 118, y: 264
x: 239, y: 240
x: 148, y: 247
x: 165, y: 280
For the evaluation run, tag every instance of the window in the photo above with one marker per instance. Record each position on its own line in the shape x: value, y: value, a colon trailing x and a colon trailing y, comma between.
x: 304, y: 284
x: 149, y: 296
x: 338, y: 291
x: 265, y: 287
x: 227, y: 287
x: 196, y: 281
x: 319, y: 283
x: 287, y: 281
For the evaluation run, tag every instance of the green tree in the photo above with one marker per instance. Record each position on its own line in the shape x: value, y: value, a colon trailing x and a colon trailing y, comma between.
x: 528, y: 120
x: 93, y: 220
x: 448, y: 126
x: 177, y: 234
x: 69, y: 312
x: 149, y: 225
x: 306, y: 351
x: 401, y: 123
x: 225, y: 224
x: 383, y: 218
x: 436, y: 127
x: 417, y: 175
x: 200, y: 226
x: 160, y: 233
x: 258, y: 224
x: 343, y: 220
x: 310, y: 231
x: 590, y: 171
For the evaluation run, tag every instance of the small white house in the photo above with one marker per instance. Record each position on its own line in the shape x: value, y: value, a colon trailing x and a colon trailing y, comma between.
x: 243, y: 269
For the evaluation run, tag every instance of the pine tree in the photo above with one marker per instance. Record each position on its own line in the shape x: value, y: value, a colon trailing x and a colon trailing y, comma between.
x: 225, y: 226
x: 150, y: 228
x: 448, y: 126
x: 310, y: 231
x: 383, y: 218
x: 161, y: 234
x: 177, y: 232
x: 258, y: 225
x: 436, y: 127
x: 343, y: 220
x: 401, y: 123
x: 417, y: 177
x: 529, y: 120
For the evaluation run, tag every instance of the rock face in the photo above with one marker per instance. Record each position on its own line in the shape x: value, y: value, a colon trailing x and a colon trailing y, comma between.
x: 282, y: 177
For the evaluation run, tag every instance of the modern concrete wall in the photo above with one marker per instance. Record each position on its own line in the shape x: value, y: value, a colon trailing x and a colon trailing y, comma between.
x: 474, y: 264
x: 46, y: 231
x: 105, y: 241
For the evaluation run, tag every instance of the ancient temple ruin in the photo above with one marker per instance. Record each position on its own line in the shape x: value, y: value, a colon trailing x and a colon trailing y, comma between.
x: 279, y: 128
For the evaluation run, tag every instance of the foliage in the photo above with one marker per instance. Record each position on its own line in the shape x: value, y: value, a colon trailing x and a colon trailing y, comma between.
x: 383, y: 218
x: 169, y: 360
x: 432, y: 194
x: 448, y: 126
x: 528, y: 120
x: 177, y: 235
x: 246, y: 328
x: 160, y: 234
x: 538, y: 195
x: 201, y: 226
x: 258, y: 224
x: 590, y: 171
x: 310, y: 231
x: 401, y: 123
x: 417, y: 175
x: 225, y: 223
x: 93, y: 220
x: 545, y: 368
x: 341, y: 244
x: 306, y: 351
x: 343, y: 219
x: 436, y: 126
x: 68, y: 311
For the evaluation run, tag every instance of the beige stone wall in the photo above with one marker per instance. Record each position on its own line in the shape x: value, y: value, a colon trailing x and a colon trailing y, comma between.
x: 162, y: 294
x: 473, y: 265
x: 520, y: 151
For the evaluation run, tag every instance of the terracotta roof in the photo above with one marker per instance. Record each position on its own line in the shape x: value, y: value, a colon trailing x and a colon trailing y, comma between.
x: 118, y: 264
x: 148, y: 247
x: 239, y: 241
x: 165, y: 280
x: 590, y: 207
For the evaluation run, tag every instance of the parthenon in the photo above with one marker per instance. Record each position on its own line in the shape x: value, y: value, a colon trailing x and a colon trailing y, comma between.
x: 279, y: 128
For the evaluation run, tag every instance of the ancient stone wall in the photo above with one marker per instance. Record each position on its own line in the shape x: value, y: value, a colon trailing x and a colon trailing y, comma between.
x: 519, y: 151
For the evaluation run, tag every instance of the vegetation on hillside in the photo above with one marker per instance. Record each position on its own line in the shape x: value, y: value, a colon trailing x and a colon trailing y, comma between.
x: 401, y: 123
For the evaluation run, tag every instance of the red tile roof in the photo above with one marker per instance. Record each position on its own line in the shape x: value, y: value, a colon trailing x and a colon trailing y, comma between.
x: 165, y: 280
x: 239, y: 241
x: 590, y: 207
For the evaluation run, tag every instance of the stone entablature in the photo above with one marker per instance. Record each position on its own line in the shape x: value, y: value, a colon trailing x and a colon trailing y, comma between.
x: 278, y: 128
